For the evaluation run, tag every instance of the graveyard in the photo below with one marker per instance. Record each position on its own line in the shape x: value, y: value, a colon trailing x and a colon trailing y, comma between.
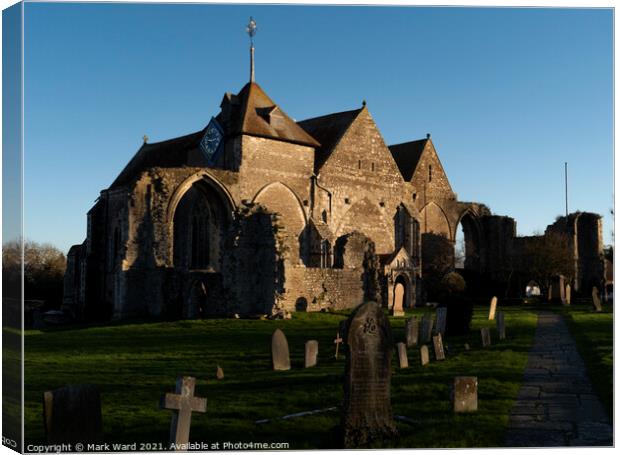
x: 133, y: 364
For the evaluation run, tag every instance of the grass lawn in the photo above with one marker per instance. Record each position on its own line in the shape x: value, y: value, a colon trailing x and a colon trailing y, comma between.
x: 594, y: 333
x: 133, y: 364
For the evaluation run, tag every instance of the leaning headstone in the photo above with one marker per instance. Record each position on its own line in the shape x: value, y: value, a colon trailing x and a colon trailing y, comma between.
x: 403, y: 361
x: 568, y: 294
x: 183, y: 403
x: 424, y: 357
x: 493, y: 308
x: 501, y: 325
x: 311, y: 353
x: 440, y: 322
x: 411, y: 331
x: 465, y: 394
x: 426, y: 331
x: 485, y: 335
x: 596, y: 300
x: 367, y: 410
x: 438, y: 346
x: 72, y: 414
x: 219, y: 373
x: 280, y: 357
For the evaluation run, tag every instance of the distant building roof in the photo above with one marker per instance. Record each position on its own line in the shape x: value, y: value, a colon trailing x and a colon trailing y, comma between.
x: 407, y: 156
x: 328, y: 130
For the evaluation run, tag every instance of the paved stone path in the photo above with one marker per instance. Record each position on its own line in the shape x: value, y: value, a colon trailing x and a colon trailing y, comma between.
x: 556, y: 405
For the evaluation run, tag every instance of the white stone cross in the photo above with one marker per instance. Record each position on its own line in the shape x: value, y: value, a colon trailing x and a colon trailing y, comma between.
x: 183, y: 403
x: 337, y: 341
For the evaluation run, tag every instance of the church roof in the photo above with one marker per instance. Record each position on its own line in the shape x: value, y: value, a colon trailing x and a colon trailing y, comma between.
x: 252, y: 112
x: 407, y: 156
x: 328, y: 129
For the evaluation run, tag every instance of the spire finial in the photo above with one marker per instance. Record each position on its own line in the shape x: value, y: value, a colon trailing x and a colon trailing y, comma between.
x: 251, y: 30
x: 145, y: 138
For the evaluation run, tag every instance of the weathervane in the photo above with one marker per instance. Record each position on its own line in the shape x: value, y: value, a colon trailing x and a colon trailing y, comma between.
x: 251, y: 30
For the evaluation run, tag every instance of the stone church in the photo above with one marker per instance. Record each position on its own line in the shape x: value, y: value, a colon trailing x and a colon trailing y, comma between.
x: 259, y: 214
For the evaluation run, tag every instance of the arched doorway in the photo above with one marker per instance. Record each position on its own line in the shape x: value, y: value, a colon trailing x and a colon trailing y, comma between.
x: 467, y: 243
x: 196, y: 302
x: 400, y: 296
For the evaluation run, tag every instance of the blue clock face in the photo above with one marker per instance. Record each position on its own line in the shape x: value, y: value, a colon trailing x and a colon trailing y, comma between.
x: 212, y: 140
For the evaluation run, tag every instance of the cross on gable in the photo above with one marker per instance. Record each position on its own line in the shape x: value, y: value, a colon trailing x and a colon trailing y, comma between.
x: 183, y: 402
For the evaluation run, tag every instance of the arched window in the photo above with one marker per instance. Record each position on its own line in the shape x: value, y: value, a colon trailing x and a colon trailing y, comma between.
x: 200, y: 239
x: 326, y: 254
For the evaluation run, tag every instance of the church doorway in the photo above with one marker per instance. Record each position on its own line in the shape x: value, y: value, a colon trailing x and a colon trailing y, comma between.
x: 196, y: 303
x: 400, y: 295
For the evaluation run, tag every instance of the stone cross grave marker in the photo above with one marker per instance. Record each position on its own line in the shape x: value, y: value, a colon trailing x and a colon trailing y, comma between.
x: 424, y: 357
x: 411, y: 331
x: 337, y: 342
x: 426, y: 330
x: 438, y: 346
x: 568, y: 294
x: 596, y: 300
x: 182, y: 403
x: 501, y: 325
x: 72, y: 414
x: 465, y: 394
x: 493, y: 308
x: 403, y: 361
x: 485, y: 334
x: 280, y: 357
x: 367, y: 410
x: 399, y: 298
x: 311, y: 353
x: 440, y: 321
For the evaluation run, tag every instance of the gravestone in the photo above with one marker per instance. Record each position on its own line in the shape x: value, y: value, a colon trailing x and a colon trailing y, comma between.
x: 596, y: 300
x: 367, y: 410
x: 399, y: 298
x: 337, y: 342
x: 72, y: 414
x: 493, y: 308
x: 485, y: 334
x: 501, y: 325
x: 424, y: 357
x: 403, y: 361
x: 438, y: 346
x: 568, y: 294
x: 280, y: 357
x: 440, y: 322
x: 426, y: 331
x: 411, y: 331
x: 466, y: 346
x: 219, y: 373
x: 311, y: 353
x: 465, y: 394
x: 183, y: 403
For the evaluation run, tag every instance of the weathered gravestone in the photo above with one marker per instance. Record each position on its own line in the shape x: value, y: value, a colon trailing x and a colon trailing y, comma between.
x: 183, y: 403
x: 440, y: 321
x: 426, y: 331
x: 337, y: 342
x: 311, y: 353
x: 411, y: 331
x: 367, y: 409
x: 485, y: 335
x: 72, y: 414
x: 568, y: 294
x: 219, y: 373
x: 465, y: 394
x: 399, y: 298
x: 501, y: 325
x: 596, y: 300
x: 466, y: 346
x: 424, y: 357
x: 438, y: 346
x: 280, y: 357
x: 403, y: 361
x: 493, y: 308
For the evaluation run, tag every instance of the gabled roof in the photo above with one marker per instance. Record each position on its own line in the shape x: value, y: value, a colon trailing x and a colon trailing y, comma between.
x: 407, y: 156
x: 170, y: 153
x: 328, y: 130
x: 252, y: 112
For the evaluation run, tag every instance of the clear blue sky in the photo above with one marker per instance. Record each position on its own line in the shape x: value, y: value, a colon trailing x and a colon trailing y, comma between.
x: 508, y: 94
